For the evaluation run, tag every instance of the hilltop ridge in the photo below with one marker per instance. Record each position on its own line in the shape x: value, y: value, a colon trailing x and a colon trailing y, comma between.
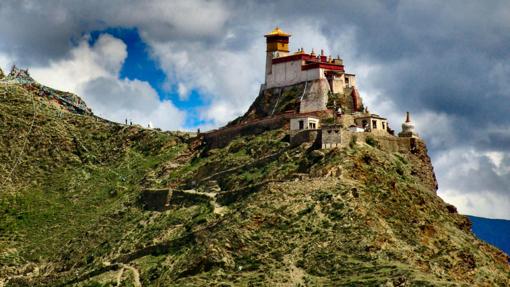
x: 88, y: 202
x: 64, y: 100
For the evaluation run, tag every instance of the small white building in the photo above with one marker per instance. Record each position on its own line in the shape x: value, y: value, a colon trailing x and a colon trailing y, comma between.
x: 371, y: 123
x: 304, y: 123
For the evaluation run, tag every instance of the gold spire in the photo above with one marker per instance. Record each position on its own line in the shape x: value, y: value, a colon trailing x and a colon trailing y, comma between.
x: 277, y: 32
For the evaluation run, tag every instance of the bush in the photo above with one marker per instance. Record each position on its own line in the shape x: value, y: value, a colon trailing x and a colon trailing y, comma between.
x: 371, y: 141
x: 353, y: 141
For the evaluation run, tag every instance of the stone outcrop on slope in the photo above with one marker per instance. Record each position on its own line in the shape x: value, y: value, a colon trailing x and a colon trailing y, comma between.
x: 65, y: 100
x: 311, y: 96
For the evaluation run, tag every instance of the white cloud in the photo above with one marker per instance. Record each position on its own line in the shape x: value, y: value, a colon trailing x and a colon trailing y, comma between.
x: 229, y: 79
x: 92, y: 73
x: 134, y: 100
x: 5, y: 63
x: 475, y: 182
x: 84, y: 64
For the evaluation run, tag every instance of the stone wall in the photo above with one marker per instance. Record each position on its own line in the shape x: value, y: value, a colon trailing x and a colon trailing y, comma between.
x: 331, y: 136
x: 222, y: 137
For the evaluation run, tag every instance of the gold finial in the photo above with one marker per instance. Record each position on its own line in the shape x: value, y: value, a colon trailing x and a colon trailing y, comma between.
x: 408, y: 117
x: 277, y: 32
x: 322, y: 52
x: 312, y: 53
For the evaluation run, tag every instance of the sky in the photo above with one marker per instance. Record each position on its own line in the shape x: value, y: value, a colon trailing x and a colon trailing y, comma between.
x: 199, y: 64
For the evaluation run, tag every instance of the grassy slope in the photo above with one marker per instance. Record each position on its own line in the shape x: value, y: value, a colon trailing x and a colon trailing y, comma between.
x: 359, y: 216
x: 72, y: 196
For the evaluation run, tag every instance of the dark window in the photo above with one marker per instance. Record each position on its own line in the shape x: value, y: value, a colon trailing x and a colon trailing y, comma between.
x: 301, y: 125
x: 374, y: 124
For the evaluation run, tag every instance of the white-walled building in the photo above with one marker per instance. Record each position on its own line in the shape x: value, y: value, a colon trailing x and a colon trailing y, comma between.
x: 284, y: 69
x: 371, y: 123
x: 304, y: 123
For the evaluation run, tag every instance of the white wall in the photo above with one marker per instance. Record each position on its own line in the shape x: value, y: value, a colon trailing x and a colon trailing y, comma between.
x: 294, y: 123
x: 290, y: 73
x: 352, y: 80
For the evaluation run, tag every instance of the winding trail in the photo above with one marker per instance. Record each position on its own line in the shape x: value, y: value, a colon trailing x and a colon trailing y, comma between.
x: 136, y: 275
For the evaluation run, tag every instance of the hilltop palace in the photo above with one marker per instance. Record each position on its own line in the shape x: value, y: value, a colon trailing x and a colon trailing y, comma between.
x: 314, y: 98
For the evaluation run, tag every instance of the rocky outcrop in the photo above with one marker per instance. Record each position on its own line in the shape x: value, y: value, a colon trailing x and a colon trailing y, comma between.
x: 65, y: 100
x: 422, y: 165
x: 273, y: 101
x: 305, y: 97
x: 315, y: 96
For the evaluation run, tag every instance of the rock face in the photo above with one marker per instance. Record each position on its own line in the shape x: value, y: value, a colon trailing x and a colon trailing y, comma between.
x: 257, y: 211
x: 311, y: 96
x: 2, y: 75
x: 315, y: 97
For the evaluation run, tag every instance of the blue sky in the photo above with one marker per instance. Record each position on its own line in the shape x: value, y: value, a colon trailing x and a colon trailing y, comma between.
x: 140, y: 65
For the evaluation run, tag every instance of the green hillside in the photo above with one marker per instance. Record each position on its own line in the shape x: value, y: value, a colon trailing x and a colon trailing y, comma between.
x: 257, y: 212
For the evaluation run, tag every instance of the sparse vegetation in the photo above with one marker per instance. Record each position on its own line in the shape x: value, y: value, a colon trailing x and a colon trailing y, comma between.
x: 70, y: 211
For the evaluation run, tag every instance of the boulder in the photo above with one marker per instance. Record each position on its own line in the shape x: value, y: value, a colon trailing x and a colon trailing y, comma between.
x: 317, y: 154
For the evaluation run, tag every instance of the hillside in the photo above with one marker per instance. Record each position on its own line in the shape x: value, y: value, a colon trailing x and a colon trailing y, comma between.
x: 255, y: 212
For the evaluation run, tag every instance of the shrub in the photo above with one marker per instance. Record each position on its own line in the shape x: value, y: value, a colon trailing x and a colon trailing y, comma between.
x: 353, y: 141
x: 371, y: 141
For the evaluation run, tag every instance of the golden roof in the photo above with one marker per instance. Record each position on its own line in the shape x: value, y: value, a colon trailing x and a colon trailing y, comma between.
x: 277, y: 32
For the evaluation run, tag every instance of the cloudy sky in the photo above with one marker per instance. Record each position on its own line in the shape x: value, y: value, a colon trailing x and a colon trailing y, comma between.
x: 189, y: 64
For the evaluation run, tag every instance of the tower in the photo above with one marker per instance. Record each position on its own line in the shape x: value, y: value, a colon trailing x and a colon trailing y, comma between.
x: 277, y: 42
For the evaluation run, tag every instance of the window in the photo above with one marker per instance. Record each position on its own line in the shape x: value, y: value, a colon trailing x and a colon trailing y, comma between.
x: 364, y: 123
x: 301, y: 124
x: 383, y: 125
x: 374, y: 124
x: 312, y: 125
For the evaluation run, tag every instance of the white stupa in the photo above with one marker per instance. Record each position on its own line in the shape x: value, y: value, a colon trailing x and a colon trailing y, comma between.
x: 408, y: 128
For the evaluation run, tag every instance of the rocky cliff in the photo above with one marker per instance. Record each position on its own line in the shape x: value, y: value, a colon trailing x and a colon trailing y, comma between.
x: 257, y: 211
x: 306, y: 97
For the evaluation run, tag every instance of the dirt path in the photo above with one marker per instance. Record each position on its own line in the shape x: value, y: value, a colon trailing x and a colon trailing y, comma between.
x: 134, y: 271
x: 119, y: 276
x: 296, y: 274
x: 217, y: 209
